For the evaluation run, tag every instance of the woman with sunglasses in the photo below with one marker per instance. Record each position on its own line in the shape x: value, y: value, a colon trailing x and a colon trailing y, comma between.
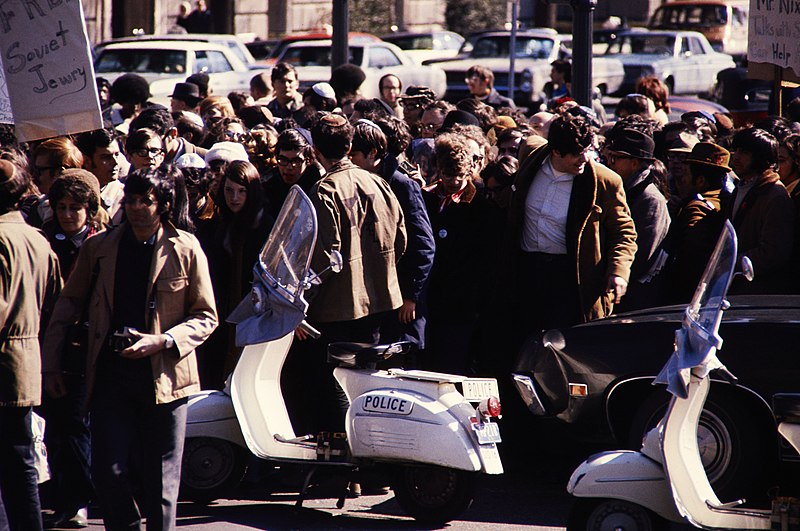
x: 296, y: 164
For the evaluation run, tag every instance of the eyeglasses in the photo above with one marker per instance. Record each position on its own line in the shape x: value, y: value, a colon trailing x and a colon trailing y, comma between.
x: 411, y: 105
x: 291, y: 163
x: 238, y: 137
x: 429, y: 127
x: 147, y: 200
x: 145, y: 152
x: 475, y: 78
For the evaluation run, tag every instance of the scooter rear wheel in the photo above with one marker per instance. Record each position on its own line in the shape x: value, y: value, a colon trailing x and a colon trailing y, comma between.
x: 593, y: 514
x: 434, y: 495
x: 211, y: 468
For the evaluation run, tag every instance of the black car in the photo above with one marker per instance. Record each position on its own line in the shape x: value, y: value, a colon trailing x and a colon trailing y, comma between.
x: 597, y: 378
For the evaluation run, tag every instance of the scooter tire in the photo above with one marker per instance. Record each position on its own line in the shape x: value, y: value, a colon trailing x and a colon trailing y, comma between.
x: 606, y: 514
x: 433, y: 495
x: 211, y: 469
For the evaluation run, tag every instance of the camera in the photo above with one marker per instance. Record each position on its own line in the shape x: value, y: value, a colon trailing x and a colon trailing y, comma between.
x: 121, y: 339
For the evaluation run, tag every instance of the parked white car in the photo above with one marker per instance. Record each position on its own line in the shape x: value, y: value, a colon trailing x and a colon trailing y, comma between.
x: 535, y: 50
x: 683, y: 60
x: 312, y: 59
x: 422, y: 46
x: 164, y: 63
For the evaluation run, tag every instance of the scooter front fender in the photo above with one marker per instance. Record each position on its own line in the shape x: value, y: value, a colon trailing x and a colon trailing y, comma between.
x: 625, y: 475
x: 211, y: 414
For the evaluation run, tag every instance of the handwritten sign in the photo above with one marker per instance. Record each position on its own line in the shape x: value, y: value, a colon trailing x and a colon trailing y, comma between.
x: 775, y: 33
x: 48, y: 68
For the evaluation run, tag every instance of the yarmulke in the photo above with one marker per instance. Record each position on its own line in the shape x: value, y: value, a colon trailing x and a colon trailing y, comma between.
x: 335, y: 120
x: 190, y: 160
x: 324, y: 90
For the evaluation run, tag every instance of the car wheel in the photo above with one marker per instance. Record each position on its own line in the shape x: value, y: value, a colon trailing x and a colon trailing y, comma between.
x: 592, y: 514
x: 670, y: 83
x: 434, y: 495
x: 211, y: 468
x: 737, y: 459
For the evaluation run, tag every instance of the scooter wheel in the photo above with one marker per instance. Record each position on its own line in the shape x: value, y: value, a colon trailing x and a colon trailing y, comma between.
x: 211, y: 468
x: 591, y: 514
x: 434, y: 495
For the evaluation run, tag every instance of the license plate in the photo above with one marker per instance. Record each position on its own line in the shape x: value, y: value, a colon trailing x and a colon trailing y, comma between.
x: 487, y: 432
x: 477, y: 389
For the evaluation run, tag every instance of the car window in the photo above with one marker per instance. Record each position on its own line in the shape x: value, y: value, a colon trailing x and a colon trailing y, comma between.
x: 643, y: 44
x: 237, y: 50
x: 317, y: 56
x: 684, y: 46
x: 211, y: 61
x: 380, y: 57
x: 531, y: 47
x: 142, y: 61
x: 414, y: 42
x: 696, y: 47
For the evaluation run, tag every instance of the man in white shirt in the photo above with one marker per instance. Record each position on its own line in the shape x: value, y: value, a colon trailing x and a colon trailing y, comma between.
x: 571, y: 230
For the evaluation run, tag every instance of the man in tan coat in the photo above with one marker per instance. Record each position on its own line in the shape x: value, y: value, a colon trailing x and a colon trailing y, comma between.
x: 150, y: 304
x: 571, y: 232
x: 29, y: 280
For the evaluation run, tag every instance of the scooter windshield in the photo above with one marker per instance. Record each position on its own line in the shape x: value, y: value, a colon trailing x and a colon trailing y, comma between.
x: 697, y: 341
x: 286, y: 257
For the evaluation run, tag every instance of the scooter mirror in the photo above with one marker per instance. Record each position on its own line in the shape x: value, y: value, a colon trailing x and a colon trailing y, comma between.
x: 337, y: 262
x: 554, y: 339
x: 747, y: 268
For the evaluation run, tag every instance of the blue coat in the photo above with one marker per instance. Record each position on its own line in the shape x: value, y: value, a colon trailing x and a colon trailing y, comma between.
x: 415, y: 266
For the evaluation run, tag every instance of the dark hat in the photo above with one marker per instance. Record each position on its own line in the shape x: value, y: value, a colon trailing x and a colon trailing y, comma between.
x: 346, y: 79
x: 418, y: 91
x: 200, y: 79
x: 633, y: 143
x: 187, y: 92
x: 459, y: 117
x: 711, y: 155
x: 130, y: 88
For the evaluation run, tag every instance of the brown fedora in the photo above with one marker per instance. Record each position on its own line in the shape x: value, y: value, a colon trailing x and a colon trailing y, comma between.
x: 708, y: 154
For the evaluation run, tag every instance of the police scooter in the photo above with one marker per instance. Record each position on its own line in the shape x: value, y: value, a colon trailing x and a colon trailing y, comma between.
x: 417, y: 427
x: 666, y: 478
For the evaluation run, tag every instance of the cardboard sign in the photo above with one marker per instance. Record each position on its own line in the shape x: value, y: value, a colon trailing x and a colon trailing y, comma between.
x: 774, y: 35
x: 48, y: 68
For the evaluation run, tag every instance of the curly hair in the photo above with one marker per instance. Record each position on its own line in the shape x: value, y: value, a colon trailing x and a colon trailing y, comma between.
x: 570, y: 135
x: 453, y: 154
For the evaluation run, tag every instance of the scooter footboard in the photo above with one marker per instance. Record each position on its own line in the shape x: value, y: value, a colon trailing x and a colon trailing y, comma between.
x: 394, y: 425
x: 625, y: 475
x: 211, y: 414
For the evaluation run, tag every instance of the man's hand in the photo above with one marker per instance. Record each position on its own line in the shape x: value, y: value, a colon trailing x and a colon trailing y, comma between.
x: 407, y: 312
x: 300, y: 334
x: 144, y: 345
x: 54, y: 384
x: 616, y: 287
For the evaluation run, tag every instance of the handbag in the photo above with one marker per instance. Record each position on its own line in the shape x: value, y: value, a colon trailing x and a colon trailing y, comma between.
x: 76, y: 344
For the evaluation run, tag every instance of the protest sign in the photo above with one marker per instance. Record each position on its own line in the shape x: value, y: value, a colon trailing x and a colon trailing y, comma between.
x: 48, y: 68
x: 774, y: 33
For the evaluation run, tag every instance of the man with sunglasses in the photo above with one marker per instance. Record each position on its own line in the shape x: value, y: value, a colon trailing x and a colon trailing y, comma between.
x: 572, y: 240
x: 414, y: 102
x: 160, y: 120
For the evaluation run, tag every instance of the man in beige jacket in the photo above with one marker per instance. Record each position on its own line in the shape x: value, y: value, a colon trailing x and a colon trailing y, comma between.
x: 150, y: 304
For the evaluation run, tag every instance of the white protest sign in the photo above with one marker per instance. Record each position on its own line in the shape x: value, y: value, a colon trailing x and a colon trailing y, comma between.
x: 48, y: 68
x: 774, y: 36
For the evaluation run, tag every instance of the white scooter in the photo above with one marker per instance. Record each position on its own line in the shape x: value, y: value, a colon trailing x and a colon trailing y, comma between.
x: 418, y: 426
x: 666, y: 479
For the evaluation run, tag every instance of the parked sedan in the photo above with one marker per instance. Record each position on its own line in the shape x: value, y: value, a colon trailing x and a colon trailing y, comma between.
x: 535, y: 50
x: 312, y: 59
x: 597, y: 378
x: 684, y: 60
x: 164, y: 63
x: 425, y: 46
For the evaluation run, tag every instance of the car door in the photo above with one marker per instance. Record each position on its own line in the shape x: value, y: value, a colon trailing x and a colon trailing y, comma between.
x: 223, y: 77
x: 382, y: 60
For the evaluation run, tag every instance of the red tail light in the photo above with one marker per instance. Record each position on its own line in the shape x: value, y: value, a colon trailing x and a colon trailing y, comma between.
x: 490, y: 407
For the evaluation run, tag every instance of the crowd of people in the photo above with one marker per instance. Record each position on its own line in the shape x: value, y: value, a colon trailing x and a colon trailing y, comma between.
x: 464, y: 228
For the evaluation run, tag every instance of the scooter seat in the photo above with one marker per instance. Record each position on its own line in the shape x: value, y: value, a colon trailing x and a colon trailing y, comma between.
x: 364, y: 355
x: 786, y: 407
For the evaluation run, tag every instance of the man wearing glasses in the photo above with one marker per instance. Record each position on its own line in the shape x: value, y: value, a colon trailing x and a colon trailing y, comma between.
x: 414, y: 102
x: 150, y: 301
x: 571, y: 230
x: 433, y: 117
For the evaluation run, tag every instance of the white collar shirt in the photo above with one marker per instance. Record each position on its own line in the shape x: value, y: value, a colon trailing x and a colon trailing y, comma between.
x: 546, y: 207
